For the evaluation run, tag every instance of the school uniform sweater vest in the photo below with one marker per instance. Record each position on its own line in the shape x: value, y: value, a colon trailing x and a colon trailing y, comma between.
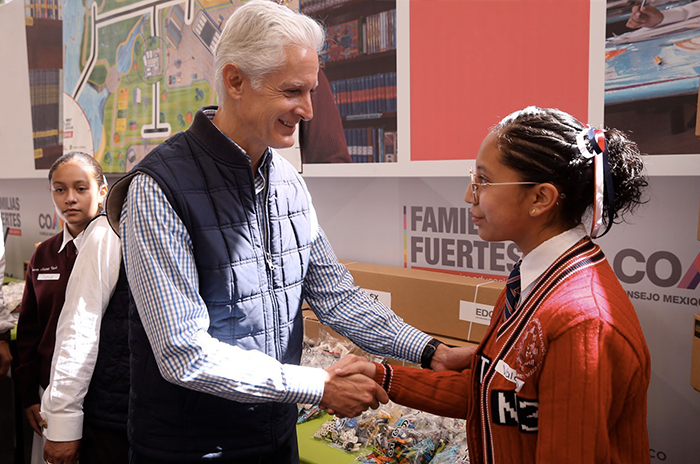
x: 252, y: 304
x: 107, y: 400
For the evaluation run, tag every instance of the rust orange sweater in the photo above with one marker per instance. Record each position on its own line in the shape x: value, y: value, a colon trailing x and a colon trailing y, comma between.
x: 563, y: 380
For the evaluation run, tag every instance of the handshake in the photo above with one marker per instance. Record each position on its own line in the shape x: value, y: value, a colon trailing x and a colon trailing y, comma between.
x: 350, y: 387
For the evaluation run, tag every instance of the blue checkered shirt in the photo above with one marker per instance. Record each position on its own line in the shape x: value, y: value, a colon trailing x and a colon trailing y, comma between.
x: 158, y: 257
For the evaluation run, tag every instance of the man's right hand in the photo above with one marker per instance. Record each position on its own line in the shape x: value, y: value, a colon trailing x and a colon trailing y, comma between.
x: 61, y: 452
x: 34, y: 417
x: 350, y: 395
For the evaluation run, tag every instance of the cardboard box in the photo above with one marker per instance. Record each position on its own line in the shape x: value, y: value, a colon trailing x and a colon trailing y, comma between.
x: 695, y: 357
x: 453, y: 341
x: 437, y: 303
x: 313, y: 328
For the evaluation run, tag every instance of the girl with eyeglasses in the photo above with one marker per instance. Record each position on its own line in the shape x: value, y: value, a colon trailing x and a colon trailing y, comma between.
x: 563, y: 370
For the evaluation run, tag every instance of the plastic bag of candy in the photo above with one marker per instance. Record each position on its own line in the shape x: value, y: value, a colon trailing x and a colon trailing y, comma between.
x: 309, y: 412
x: 412, y: 439
x: 353, y: 434
x: 453, y: 453
x: 344, y: 433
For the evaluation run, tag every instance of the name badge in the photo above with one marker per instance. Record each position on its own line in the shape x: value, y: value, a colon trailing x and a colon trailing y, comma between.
x: 510, y: 374
x: 48, y: 276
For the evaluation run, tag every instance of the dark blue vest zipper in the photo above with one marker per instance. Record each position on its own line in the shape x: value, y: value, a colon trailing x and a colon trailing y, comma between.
x: 267, y: 245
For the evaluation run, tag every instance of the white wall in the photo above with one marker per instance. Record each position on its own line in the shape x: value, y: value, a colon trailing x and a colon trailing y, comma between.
x: 27, y: 210
x: 16, y: 146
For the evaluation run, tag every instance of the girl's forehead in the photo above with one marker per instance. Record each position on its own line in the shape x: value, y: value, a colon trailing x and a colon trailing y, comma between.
x: 75, y: 170
x: 489, y: 154
x: 74, y: 165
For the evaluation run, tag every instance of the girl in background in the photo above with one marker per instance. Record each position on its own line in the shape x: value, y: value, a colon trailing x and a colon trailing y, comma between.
x: 86, y: 404
x: 77, y: 197
x: 563, y: 370
x: 70, y: 281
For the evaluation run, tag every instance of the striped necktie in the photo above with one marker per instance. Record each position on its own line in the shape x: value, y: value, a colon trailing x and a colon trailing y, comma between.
x: 513, y: 290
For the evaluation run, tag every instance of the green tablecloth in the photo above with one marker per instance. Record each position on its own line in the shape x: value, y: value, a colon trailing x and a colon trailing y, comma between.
x: 312, y: 451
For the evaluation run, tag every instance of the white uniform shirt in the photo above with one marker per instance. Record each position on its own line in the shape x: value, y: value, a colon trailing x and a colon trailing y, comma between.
x: 539, y: 259
x: 90, y: 287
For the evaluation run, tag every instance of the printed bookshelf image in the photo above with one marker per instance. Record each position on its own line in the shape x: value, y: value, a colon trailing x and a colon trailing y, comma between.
x: 359, y: 59
x: 373, y: 34
x: 371, y: 145
x: 46, y: 9
x: 44, y: 29
x: 311, y: 7
x: 367, y: 95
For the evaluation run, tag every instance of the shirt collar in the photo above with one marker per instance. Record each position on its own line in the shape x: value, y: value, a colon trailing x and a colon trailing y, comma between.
x: 262, y: 169
x: 210, y: 113
x: 539, y: 259
x: 67, y: 237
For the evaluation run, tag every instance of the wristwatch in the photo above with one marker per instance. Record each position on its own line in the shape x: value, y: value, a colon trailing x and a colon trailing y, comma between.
x: 428, y: 353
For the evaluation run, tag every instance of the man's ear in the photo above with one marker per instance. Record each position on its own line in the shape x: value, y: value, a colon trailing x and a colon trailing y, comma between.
x: 546, y: 196
x: 233, y: 80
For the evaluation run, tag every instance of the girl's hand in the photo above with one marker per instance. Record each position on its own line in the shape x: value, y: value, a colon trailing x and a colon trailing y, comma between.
x: 34, y: 417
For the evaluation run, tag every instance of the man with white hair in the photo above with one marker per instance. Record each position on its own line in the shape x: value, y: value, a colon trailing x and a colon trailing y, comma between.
x: 221, y: 244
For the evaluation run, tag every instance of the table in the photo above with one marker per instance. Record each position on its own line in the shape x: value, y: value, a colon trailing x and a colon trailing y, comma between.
x: 312, y: 451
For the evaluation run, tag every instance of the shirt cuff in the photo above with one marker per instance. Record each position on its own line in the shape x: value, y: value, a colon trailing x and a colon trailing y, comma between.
x: 305, y: 384
x: 410, y: 343
x: 63, y: 427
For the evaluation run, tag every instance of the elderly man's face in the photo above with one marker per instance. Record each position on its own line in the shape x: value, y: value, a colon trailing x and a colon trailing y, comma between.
x: 270, y: 114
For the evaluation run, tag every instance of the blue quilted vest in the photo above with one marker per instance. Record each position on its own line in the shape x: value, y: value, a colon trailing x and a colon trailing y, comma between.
x: 251, y: 304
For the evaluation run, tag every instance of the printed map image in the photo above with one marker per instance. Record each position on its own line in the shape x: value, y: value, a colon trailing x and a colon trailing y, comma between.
x: 136, y: 71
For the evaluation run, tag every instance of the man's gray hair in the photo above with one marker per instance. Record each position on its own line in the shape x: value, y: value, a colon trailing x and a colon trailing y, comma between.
x: 255, y: 38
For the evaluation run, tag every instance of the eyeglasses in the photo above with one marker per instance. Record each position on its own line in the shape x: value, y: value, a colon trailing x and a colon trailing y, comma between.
x: 475, y: 185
